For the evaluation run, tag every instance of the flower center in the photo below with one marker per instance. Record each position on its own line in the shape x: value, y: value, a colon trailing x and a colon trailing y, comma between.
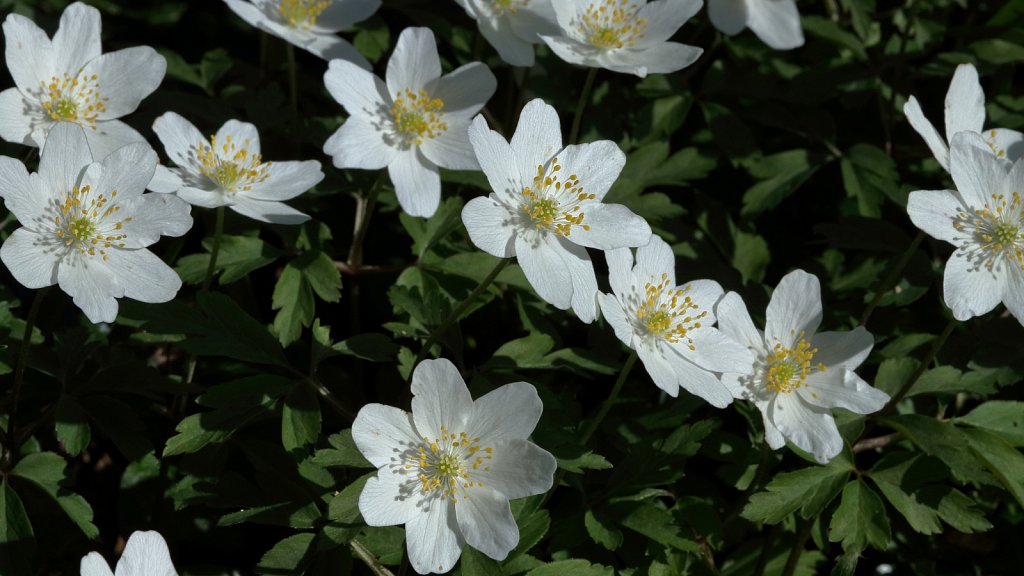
x: 446, y: 465
x: 85, y: 222
x: 612, y: 24
x: 787, y: 368
x: 232, y: 167
x: 73, y: 99
x: 668, y: 313
x: 552, y: 204
x: 508, y: 6
x: 302, y: 13
x: 417, y: 116
x: 995, y: 231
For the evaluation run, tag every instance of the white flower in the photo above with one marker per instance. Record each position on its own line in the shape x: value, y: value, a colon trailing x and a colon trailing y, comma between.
x: 629, y: 36
x: 669, y: 326
x: 799, y: 376
x: 414, y: 123
x: 776, y: 22
x: 984, y: 219
x: 546, y: 207
x: 145, y: 554
x: 228, y: 170
x: 448, y: 470
x: 86, y: 225
x: 309, y: 24
x: 68, y: 80
x: 513, y: 26
x: 965, y: 112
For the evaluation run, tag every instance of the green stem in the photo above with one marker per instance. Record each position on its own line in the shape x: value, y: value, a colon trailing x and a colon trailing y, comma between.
x: 293, y: 81
x: 921, y: 369
x: 606, y: 406
x: 217, y: 232
x: 371, y: 561
x: 798, y: 546
x: 891, y: 277
x: 19, y: 369
x: 581, y: 105
x: 364, y: 211
x: 456, y: 313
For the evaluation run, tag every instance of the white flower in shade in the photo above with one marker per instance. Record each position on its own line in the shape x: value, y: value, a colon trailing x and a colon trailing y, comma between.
x: 85, y: 225
x: 669, y: 326
x: 799, y: 375
x: 145, y: 554
x: 309, y: 24
x: 965, y: 112
x: 775, y: 22
x: 414, y: 123
x: 67, y: 79
x: 227, y: 169
x: 629, y: 36
x: 546, y: 207
x: 513, y: 26
x: 448, y: 470
x: 984, y: 219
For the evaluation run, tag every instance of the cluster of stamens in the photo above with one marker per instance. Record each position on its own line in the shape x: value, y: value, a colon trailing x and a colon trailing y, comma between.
x: 552, y: 204
x: 82, y: 222
x: 788, y: 368
x: 446, y: 465
x: 237, y: 174
x: 417, y: 116
x: 996, y: 229
x: 668, y: 313
x: 302, y: 13
x: 508, y: 6
x: 72, y: 99
x: 612, y: 24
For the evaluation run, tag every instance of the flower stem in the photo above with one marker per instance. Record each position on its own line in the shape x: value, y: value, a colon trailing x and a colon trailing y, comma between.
x: 19, y: 370
x: 609, y: 401
x: 371, y: 561
x: 364, y: 211
x: 801, y: 535
x: 891, y: 277
x: 581, y: 105
x: 454, y: 315
x: 217, y: 232
x: 932, y: 353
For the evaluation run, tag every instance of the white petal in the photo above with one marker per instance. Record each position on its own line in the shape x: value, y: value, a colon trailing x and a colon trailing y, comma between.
x: 611, y: 226
x: 359, y: 144
x: 386, y: 500
x: 440, y: 398
x: 181, y: 140
x: 145, y: 554
x: 109, y: 136
x: 1005, y: 143
x: 451, y: 149
x: 794, y: 311
x: 842, y: 349
x: 584, y: 282
x: 125, y: 78
x: 331, y: 47
x: 935, y: 212
x: 517, y: 469
x: 935, y: 142
x: 486, y: 522
x: 204, y: 198
x: 698, y: 381
x: 717, y: 352
x: 969, y: 288
x: 417, y: 183
x: 975, y: 170
x: 1013, y: 294
x: 16, y: 117
x: 568, y: 49
x: 142, y: 275
x: 665, y: 17
x: 32, y: 257
x: 511, y: 48
x: 511, y: 411
x: 598, y: 164
x: 127, y: 170
x: 94, y: 565
x: 465, y: 90
x: 414, y: 61
x: 64, y: 157
x: 382, y: 433
x: 704, y: 294
x: 241, y: 134
x: 268, y: 211
x: 737, y: 385
x: 286, y: 180
x: 613, y: 313
x: 165, y: 181
x: 654, y: 260
x: 23, y: 193
x: 965, y: 102
x: 542, y: 265
x: 729, y: 16
x: 810, y: 428
x: 490, y: 227
x: 842, y: 388
x: 735, y: 322
x: 433, y: 540
x: 772, y: 436
x: 496, y: 158
x: 538, y: 137
x: 360, y: 92
x: 341, y: 15
x: 155, y: 215
x: 658, y: 368
x: 247, y: 11
x: 28, y: 53
x: 91, y: 285
x: 661, y: 58
x: 77, y: 40
x: 776, y: 23
x: 620, y: 270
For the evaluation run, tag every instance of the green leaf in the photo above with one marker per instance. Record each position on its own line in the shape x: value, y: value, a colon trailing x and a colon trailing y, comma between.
x: 287, y: 556
x: 16, y: 537
x: 293, y: 299
x: 860, y: 519
x: 525, y: 352
x: 901, y: 346
x: 1005, y: 461
x: 199, y: 430
x: 808, y: 490
x: 655, y: 522
x: 476, y: 563
x: 944, y: 441
x: 343, y: 454
x: 300, y: 418
x: 214, y: 65
x: 750, y: 254
x: 47, y: 471
x: 532, y: 528
x: 575, y: 459
x: 571, y: 568
x: 780, y: 176
x: 1004, y: 417
x: 602, y: 530
x: 224, y: 329
x: 944, y: 379
x: 370, y: 346
x: 71, y: 425
x: 896, y: 476
x: 237, y: 257
x: 957, y: 509
x: 869, y: 176
x: 428, y: 232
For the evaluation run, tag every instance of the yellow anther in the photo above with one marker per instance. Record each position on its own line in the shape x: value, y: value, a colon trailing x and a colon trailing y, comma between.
x: 668, y: 313
x: 612, y: 24
x: 996, y: 230
x: 302, y: 13
x: 788, y: 368
x: 234, y: 169
x: 417, y: 116
x: 70, y: 99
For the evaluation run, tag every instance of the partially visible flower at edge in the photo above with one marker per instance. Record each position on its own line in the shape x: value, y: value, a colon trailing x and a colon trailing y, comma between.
x: 448, y: 470
x: 227, y: 169
x: 145, y: 554
x: 512, y: 27
x: 68, y: 79
x: 546, y: 210
x: 775, y: 22
x: 965, y: 112
x: 85, y: 225
x: 309, y: 24
x: 799, y: 374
